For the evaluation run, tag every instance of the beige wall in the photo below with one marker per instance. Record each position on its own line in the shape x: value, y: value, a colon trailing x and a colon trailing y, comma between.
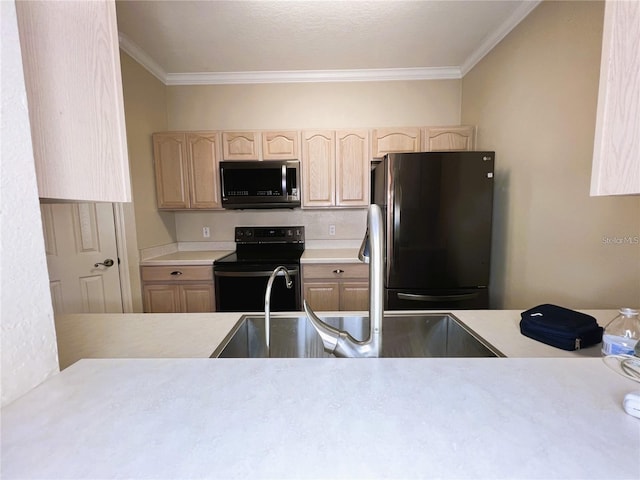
x: 314, y: 105
x: 145, y: 108
x: 350, y: 224
x: 300, y: 106
x: 534, y: 100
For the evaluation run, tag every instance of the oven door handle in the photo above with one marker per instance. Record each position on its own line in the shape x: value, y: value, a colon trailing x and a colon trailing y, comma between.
x: 258, y: 273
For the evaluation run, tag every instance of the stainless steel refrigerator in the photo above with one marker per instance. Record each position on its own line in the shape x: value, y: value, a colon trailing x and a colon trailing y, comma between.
x: 437, y: 208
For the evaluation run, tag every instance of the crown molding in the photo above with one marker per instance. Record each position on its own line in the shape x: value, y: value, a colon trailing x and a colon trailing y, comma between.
x: 321, y: 76
x: 306, y: 76
x: 287, y: 76
x: 496, y: 36
x: 142, y: 57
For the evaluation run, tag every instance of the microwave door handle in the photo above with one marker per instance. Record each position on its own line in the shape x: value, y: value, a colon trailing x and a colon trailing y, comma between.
x: 284, y: 180
x: 222, y: 182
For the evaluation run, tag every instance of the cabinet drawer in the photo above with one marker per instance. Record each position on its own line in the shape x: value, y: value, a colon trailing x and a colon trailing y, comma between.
x: 177, y: 273
x: 342, y: 270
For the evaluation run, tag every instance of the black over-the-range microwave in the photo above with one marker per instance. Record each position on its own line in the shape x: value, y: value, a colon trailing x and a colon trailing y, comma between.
x: 260, y: 184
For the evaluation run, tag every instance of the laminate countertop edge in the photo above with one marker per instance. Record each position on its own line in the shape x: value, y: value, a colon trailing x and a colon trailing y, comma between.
x: 207, y: 257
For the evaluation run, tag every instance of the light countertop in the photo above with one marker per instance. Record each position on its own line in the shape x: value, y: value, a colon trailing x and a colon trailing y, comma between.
x: 324, y: 418
x: 142, y: 414
x: 204, y: 257
x: 207, y: 257
x: 137, y: 335
x: 330, y: 255
x: 196, y: 335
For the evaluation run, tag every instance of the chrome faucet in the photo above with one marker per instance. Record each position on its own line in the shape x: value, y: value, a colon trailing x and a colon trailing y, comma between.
x: 267, y: 298
x: 339, y: 342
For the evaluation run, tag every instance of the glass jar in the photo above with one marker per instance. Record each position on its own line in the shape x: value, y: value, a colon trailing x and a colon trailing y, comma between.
x: 622, y: 333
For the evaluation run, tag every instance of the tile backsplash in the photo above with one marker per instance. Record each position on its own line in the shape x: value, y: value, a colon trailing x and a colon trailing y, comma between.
x: 350, y: 224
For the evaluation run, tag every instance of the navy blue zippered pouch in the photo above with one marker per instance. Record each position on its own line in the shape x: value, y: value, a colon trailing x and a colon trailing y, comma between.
x: 560, y: 327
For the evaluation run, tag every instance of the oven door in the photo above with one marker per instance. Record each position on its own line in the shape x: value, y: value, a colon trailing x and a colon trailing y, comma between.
x: 241, y: 288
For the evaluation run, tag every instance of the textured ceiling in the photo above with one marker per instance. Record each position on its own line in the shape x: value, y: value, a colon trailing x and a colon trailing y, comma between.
x: 266, y: 36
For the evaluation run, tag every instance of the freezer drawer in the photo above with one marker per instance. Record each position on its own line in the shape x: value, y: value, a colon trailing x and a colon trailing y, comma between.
x: 460, y: 299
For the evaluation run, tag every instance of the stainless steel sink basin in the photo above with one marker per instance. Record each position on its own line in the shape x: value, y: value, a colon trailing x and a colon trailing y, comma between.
x: 423, y: 335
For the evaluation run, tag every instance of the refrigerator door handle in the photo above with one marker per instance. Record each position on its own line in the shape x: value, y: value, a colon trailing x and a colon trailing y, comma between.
x: 436, y: 298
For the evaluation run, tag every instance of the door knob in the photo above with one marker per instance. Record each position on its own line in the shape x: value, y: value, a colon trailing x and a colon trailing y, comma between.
x: 108, y: 262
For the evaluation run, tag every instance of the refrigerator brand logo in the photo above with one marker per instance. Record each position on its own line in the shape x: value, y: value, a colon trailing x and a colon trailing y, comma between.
x: 615, y: 240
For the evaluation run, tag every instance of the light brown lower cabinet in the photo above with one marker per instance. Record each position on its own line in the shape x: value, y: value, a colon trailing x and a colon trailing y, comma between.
x: 178, y: 289
x: 331, y: 287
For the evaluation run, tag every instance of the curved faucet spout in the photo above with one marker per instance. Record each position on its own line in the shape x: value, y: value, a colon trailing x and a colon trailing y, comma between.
x: 267, y: 298
x: 339, y: 342
x: 328, y: 334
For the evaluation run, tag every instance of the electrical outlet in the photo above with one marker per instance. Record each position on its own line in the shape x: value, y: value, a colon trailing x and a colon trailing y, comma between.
x: 205, y: 232
x: 332, y: 229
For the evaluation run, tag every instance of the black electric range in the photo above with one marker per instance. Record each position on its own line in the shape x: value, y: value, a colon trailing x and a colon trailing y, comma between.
x: 241, y: 277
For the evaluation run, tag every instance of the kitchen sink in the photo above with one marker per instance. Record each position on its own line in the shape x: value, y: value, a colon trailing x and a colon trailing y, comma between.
x: 420, y: 335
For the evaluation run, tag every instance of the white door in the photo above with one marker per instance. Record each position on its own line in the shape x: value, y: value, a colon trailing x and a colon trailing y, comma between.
x: 82, y: 257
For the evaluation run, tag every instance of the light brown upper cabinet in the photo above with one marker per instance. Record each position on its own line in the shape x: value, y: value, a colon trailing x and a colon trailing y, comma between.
x: 616, y: 150
x: 186, y: 169
x: 353, y: 168
x: 335, y: 168
x: 398, y: 140
x: 241, y: 145
x: 71, y: 62
x: 457, y: 138
x: 318, y: 168
x: 283, y: 145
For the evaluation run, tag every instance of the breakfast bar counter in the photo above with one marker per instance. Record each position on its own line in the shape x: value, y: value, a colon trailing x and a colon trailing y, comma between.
x: 324, y: 418
x: 196, y: 335
x: 138, y: 403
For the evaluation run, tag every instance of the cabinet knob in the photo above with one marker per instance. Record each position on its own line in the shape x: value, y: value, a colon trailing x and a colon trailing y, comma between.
x: 337, y: 270
x: 175, y: 273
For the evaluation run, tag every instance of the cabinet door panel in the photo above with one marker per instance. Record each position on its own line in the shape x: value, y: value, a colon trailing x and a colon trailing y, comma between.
x: 322, y: 296
x: 280, y: 145
x: 203, y: 177
x: 161, y: 299
x: 352, y: 168
x: 318, y: 168
x: 354, y: 296
x: 197, y: 298
x: 399, y: 140
x: 170, y: 158
x: 241, y: 145
x: 616, y: 149
x: 73, y: 84
x: 438, y: 139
